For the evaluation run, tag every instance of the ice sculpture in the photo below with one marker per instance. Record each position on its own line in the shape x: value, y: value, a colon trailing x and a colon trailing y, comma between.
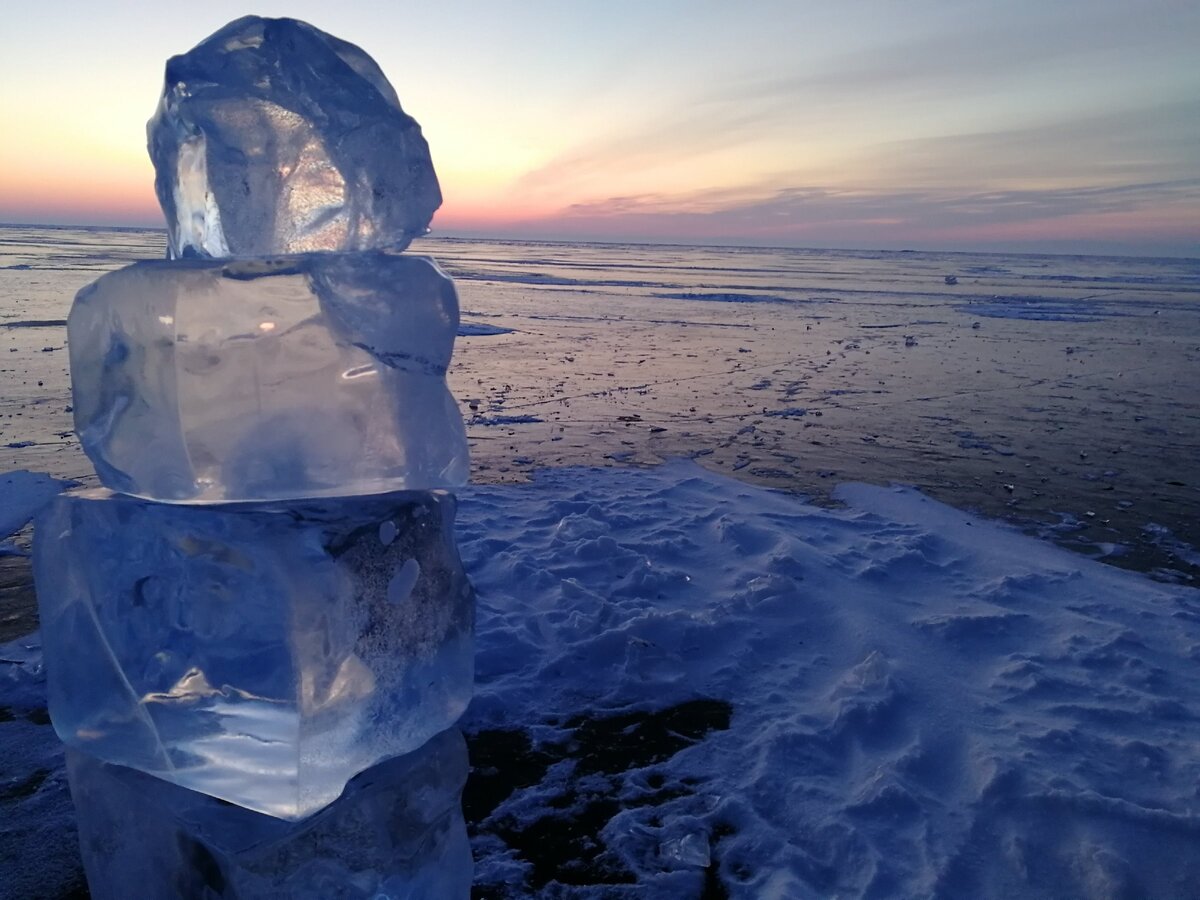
x: 274, y: 603
x: 304, y: 376
x: 396, y: 832
x: 274, y: 137
x: 263, y: 654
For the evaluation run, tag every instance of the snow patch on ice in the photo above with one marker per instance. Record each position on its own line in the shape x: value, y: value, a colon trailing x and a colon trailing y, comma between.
x: 480, y: 329
x: 688, y: 686
x: 22, y: 494
x: 923, y: 701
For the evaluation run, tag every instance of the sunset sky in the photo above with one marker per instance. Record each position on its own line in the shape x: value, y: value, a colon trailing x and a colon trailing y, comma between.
x: 967, y: 125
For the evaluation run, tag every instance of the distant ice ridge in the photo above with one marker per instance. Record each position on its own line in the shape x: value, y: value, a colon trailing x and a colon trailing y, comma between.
x: 260, y: 653
x: 272, y: 136
x: 396, y: 832
x: 283, y: 377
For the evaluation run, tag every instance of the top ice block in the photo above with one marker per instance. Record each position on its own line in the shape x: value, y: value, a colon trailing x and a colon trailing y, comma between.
x: 273, y: 137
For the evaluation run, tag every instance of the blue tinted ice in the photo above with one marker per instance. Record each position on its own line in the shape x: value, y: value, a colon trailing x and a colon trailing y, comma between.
x: 274, y: 137
x: 396, y: 832
x: 263, y: 654
x: 315, y: 375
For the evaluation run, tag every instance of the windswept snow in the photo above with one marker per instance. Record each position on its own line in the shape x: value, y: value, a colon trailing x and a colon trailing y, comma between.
x: 920, y: 702
x: 687, y: 684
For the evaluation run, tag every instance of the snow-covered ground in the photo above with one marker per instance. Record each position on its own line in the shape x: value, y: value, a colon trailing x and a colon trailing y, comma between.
x: 688, y: 686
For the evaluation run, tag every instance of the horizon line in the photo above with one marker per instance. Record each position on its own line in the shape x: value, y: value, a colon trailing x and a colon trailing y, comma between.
x: 1193, y: 256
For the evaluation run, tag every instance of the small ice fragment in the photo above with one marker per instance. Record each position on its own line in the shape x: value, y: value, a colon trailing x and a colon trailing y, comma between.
x: 689, y: 851
x: 272, y: 136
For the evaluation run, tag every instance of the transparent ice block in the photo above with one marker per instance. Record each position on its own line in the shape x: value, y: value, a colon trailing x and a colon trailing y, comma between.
x: 396, y: 832
x: 305, y: 376
x: 263, y: 654
x: 272, y: 136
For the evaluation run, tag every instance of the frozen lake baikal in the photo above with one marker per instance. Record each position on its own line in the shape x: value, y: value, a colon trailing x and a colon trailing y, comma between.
x: 1053, y: 391
x: 690, y: 685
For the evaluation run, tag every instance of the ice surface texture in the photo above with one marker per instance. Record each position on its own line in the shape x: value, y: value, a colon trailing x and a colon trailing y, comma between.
x: 274, y: 137
x: 261, y: 653
x: 314, y: 375
x: 396, y: 832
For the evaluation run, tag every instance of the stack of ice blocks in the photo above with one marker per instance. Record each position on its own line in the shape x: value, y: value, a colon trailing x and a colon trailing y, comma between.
x: 265, y: 599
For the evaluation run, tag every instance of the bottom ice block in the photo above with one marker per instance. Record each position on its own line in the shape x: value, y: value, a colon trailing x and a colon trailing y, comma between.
x: 261, y: 653
x: 396, y: 832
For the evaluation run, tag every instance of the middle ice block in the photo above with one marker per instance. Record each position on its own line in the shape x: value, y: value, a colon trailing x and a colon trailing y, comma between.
x: 260, y: 653
x: 199, y: 381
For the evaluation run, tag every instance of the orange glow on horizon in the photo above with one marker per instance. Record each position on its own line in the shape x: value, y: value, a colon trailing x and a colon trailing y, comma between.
x: 91, y: 202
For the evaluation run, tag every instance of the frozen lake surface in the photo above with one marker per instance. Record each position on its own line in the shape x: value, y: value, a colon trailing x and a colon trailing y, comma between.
x: 691, y: 686
x: 1054, y: 391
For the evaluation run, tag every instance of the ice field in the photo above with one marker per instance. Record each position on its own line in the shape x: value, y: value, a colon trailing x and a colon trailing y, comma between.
x: 747, y: 673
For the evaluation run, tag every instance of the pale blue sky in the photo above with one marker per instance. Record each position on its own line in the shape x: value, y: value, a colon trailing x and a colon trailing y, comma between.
x: 1063, y: 124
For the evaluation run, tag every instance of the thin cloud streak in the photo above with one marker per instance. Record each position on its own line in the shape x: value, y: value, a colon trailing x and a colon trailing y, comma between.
x: 926, y: 209
x: 964, y: 55
x: 1091, y: 166
x: 1145, y: 217
x: 1160, y: 142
